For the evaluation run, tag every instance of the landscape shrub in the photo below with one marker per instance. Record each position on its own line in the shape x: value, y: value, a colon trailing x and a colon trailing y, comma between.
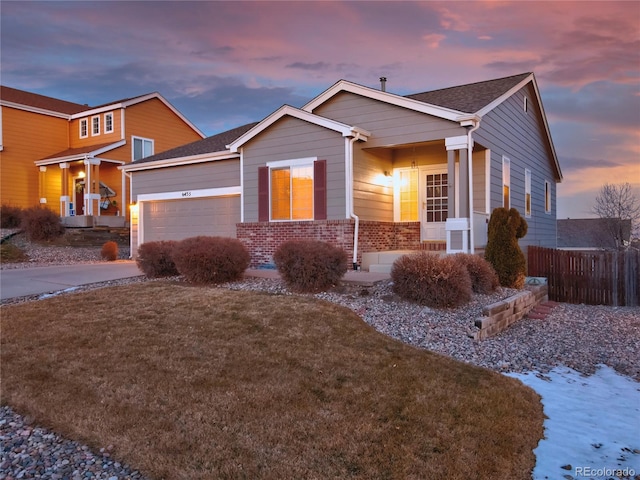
x: 10, y: 216
x: 211, y: 259
x: 483, y: 277
x: 155, y: 259
x: 503, y: 251
x: 310, y: 265
x: 41, y: 224
x: 429, y: 279
x: 109, y: 251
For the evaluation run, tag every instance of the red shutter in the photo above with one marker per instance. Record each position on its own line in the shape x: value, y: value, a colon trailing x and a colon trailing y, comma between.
x: 320, y: 190
x: 263, y: 194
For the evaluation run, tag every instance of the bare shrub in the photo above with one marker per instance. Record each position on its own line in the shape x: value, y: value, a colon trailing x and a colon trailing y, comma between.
x: 432, y: 280
x: 483, y: 277
x: 155, y: 258
x: 109, y: 251
x: 10, y: 216
x: 310, y: 265
x: 41, y: 224
x: 205, y: 259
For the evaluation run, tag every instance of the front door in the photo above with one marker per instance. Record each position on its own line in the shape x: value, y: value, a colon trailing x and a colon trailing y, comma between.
x: 434, y: 202
x: 78, y: 201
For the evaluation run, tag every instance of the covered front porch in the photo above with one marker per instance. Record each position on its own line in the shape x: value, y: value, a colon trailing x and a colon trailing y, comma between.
x: 439, y: 185
x: 87, y: 189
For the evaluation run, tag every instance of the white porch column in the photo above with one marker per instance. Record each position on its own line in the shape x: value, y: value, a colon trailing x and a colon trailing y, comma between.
x: 91, y: 196
x: 458, y: 227
x: 65, y: 199
x: 42, y: 184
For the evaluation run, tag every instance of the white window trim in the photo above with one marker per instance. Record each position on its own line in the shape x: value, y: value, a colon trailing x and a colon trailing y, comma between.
x: 108, y: 115
x: 93, y: 130
x: 85, y: 122
x: 525, y: 105
x: 506, y: 180
x: 527, y: 190
x: 548, y: 208
x: 133, y: 139
x: 294, y: 162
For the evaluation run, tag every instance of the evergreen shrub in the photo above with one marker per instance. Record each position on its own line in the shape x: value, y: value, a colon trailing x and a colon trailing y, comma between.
x: 503, y: 251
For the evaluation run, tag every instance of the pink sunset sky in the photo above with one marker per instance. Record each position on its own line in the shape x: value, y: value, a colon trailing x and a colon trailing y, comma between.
x: 224, y: 64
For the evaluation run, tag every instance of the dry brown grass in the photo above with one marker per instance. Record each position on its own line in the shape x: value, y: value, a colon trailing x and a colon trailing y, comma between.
x: 202, y: 383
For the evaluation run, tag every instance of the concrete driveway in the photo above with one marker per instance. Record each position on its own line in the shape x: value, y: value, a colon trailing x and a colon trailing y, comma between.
x: 40, y: 280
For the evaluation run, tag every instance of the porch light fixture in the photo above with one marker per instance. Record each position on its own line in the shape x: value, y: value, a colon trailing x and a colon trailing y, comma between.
x: 413, y: 158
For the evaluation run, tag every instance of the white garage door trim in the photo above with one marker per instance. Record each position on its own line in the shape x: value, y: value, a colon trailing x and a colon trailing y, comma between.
x: 179, y: 195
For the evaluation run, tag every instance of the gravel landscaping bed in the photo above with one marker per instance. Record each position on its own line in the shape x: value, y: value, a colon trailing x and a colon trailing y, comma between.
x: 577, y: 336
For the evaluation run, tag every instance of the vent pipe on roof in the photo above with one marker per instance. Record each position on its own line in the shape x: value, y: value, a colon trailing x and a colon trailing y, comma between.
x: 383, y: 84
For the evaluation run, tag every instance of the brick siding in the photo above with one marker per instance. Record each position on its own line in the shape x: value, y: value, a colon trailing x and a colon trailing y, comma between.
x: 263, y: 238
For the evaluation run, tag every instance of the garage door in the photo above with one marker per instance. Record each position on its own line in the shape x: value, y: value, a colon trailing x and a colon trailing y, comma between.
x: 184, y: 218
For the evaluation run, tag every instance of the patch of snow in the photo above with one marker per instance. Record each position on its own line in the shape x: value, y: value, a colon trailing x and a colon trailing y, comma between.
x: 59, y: 292
x: 592, y: 429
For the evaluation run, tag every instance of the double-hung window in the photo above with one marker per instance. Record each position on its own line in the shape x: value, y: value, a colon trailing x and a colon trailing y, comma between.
x: 95, y: 125
x: 142, y: 147
x: 547, y: 196
x: 527, y: 192
x: 108, y: 122
x: 506, y: 182
x: 292, y: 190
x: 84, y: 128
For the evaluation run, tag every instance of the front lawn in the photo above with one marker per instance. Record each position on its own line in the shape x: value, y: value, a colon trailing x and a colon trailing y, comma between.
x: 203, y: 383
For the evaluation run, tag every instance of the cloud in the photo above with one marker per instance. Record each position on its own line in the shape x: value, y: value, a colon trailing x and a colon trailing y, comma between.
x: 310, y: 66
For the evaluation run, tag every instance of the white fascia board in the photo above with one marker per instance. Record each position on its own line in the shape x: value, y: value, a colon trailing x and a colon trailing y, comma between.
x: 386, y: 97
x: 81, y: 156
x: 176, y: 162
x: 187, y: 194
x: 41, y: 111
x: 287, y: 110
x: 531, y: 78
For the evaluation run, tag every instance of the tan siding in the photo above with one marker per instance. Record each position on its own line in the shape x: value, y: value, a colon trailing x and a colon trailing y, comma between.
x: 28, y: 137
x: 373, y: 192
x: 389, y: 124
x: 74, y: 131
x: 154, y: 120
x: 290, y: 138
x: 221, y: 173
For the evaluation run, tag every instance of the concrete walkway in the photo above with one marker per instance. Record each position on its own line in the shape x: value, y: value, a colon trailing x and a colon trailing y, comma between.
x: 39, y: 280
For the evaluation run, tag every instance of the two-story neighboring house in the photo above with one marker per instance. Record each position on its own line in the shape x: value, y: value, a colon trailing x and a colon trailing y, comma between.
x: 364, y: 169
x: 66, y: 156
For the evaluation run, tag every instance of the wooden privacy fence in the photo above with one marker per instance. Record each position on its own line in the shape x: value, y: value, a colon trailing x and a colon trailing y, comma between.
x: 593, y: 278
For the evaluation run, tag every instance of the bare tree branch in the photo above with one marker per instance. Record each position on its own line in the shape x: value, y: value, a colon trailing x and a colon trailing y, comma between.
x: 620, y: 207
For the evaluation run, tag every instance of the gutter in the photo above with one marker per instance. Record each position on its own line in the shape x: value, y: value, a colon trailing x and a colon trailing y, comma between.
x: 475, y: 124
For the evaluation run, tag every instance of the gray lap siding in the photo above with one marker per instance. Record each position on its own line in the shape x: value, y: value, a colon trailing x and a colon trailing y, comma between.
x: 288, y: 139
x: 518, y: 135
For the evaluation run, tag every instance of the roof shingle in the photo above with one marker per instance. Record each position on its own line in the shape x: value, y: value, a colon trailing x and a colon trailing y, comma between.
x: 40, y: 101
x: 472, y: 97
x: 215, y: 143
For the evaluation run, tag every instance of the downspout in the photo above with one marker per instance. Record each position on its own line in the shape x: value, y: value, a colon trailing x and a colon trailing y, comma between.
x: 349, y: 175
x: 125, y: 174
x: 470, y: 162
